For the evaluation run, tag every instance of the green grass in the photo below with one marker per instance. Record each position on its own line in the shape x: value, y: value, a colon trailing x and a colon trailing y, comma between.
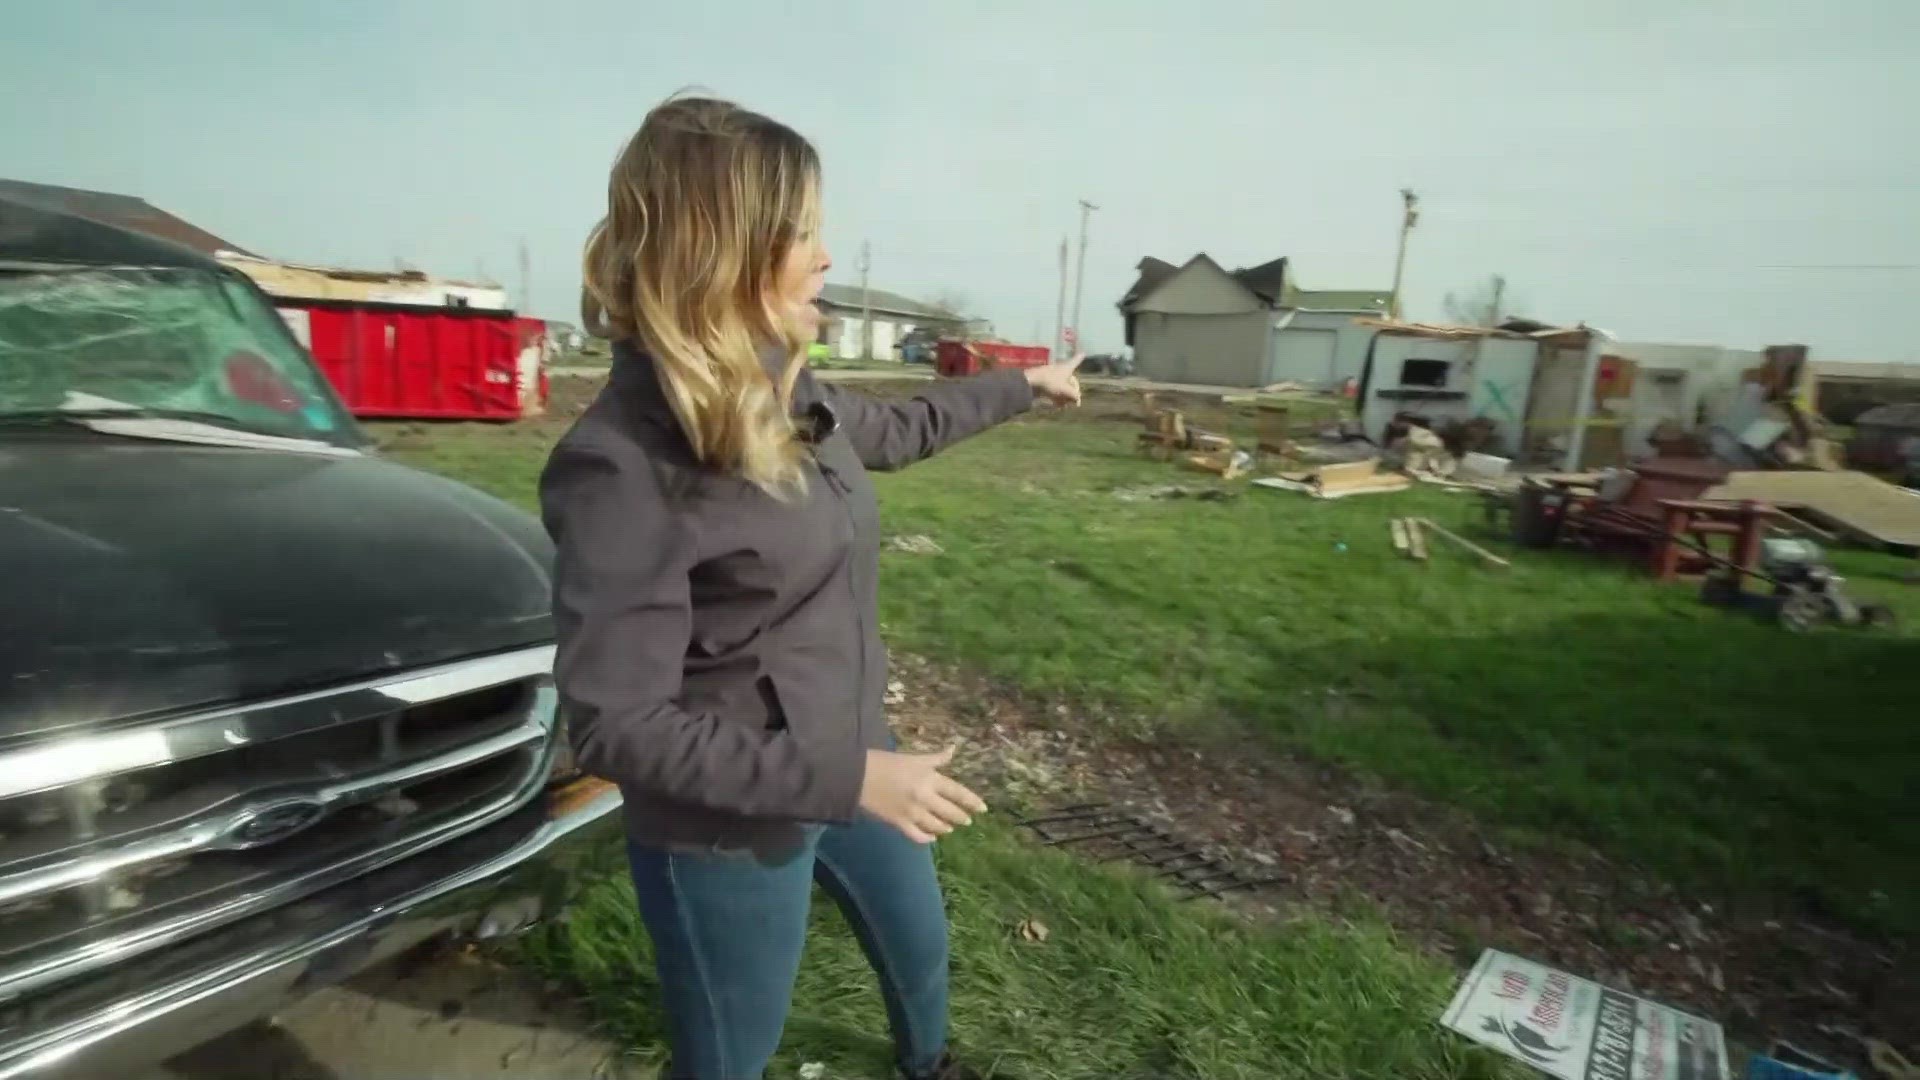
x: 1568, y: 698
x: 1128, y: 983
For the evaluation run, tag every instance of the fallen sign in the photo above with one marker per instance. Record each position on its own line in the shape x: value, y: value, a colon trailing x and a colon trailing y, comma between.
x: 1575, y: 1029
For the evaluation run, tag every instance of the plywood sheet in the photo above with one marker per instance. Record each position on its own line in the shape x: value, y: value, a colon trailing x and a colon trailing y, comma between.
x: 1866, y: 506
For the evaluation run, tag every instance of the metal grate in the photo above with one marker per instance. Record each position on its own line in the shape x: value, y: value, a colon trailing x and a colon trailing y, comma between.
x: 1112, y: 834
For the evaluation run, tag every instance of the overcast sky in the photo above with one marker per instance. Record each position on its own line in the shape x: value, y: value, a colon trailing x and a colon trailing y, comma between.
x: 1745, y: 174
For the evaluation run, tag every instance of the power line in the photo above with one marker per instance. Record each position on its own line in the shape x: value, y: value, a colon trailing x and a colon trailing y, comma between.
x: 1849, y: 267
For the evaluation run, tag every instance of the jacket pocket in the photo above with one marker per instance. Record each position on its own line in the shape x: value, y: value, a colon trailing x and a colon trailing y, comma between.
x: 747, y: 700
x: 773, y: 711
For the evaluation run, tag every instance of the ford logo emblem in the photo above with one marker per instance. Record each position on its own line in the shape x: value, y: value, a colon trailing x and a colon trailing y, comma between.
x: 272, y: 822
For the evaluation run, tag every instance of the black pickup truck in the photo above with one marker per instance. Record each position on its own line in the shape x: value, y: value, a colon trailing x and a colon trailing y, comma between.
x: 272, y: 709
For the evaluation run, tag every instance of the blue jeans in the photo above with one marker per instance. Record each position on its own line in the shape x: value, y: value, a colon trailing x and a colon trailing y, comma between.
x: 728, y: 928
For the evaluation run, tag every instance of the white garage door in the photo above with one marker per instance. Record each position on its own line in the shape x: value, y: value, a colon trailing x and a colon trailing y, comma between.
x: 1303, y: 356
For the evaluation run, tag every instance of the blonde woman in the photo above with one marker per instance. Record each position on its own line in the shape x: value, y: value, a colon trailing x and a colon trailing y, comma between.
x: 715, y: 596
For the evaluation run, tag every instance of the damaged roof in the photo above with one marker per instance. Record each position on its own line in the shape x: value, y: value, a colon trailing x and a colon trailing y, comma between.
x: 1513, y: 328
x: 120, y: 211
x: 1268, y: 281
x: 848, y: 297
x: 1152, y: 272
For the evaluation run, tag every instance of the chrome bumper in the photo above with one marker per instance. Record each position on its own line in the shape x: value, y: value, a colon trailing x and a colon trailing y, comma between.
x: 489, y: 882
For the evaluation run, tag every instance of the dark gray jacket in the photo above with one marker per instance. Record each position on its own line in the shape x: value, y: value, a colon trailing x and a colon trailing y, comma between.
x: 720, y: 655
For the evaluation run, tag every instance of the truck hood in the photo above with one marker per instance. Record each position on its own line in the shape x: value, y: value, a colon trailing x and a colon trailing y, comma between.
x: 145, y: 578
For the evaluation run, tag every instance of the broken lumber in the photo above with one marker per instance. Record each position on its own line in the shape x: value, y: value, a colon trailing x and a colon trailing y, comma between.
x: 1416, y: 541
x: 1490, y: 557
x: 1221, y: 464
x: 1364, y: 485
x: 1398, y: 527
x: 1347, y: 472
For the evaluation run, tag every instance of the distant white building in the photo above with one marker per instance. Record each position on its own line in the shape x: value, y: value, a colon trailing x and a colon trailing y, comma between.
x: 894, y: 317
x: 564, y: 336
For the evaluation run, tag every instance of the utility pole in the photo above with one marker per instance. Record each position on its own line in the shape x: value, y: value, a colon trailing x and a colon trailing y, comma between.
x: 866, y: 304
x: 1080, y: 275
x: 1410, y: 215
x: 1060, y: 309
x: 526, y: 279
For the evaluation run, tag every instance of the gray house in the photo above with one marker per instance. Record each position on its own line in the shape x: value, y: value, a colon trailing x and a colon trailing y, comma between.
x: 894, y: 317
x: 1200, y: 323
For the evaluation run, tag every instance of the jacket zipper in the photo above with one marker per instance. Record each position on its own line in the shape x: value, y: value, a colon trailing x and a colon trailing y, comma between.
x: 842, y: 494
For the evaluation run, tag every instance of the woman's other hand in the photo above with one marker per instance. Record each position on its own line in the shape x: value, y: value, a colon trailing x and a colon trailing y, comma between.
x: 908, y: 792
x: 1058, y: 383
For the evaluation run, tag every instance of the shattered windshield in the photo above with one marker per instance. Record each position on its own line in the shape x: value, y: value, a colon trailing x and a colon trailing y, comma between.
x: 167, y: 343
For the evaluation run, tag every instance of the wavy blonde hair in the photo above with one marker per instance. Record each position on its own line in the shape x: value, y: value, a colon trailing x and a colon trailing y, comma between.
x: 703, y: 205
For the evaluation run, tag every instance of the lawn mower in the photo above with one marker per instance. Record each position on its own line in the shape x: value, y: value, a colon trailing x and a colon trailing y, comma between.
x: 1806, y: 592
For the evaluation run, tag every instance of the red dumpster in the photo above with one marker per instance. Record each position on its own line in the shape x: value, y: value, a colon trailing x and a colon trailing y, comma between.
x: 954, y: 358
x: 432, y: 363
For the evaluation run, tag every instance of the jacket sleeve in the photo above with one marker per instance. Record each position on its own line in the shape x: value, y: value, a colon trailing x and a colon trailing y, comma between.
x: 892, y: 435
x: 622, y: 609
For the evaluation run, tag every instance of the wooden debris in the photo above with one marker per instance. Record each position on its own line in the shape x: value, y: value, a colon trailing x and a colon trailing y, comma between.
x: 1221, y: 463
x: 1456, y: 485
x: 1339, y: 480
x: 1490, y: 557
x: 1166, y: 432
x: 1382, y: 483
x: 1854, y: 504
x: 1347, y: 472
x: 1416, y: 541
x: 1356, y: 477
x: 1401, y: 543
x: 1208, y: 443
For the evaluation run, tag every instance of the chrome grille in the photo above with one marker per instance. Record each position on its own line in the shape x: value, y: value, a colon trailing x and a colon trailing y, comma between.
x: 115, y: 843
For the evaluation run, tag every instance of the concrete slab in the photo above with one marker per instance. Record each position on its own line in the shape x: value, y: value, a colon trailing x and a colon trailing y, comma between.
x: 443, y: 1016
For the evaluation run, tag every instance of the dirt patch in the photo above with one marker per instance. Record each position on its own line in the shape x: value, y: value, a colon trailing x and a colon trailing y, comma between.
x: 1440, y: 878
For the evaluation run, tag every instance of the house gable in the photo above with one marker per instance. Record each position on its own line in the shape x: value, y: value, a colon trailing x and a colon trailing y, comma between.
x: 1152, y: 272
x: 1200, y: 287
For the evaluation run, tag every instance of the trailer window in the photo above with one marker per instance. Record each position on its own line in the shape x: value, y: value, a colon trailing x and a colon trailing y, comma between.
x: 1424, y: 373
